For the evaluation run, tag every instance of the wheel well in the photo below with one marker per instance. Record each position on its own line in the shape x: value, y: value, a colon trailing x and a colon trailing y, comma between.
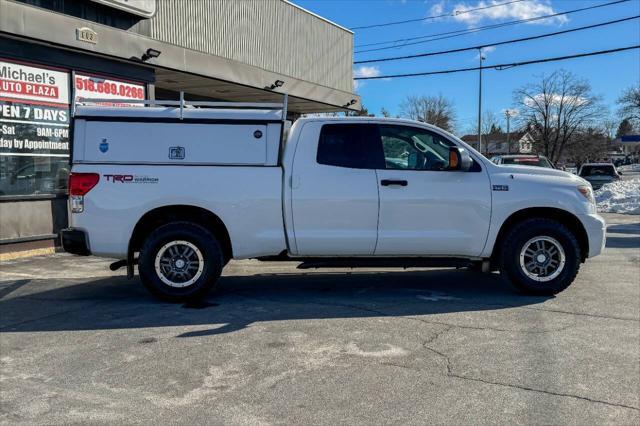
x: 163, y: 215
x: 562, y: 216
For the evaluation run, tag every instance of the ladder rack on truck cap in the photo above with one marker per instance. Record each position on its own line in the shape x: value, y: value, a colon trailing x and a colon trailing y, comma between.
x: 183, y: 109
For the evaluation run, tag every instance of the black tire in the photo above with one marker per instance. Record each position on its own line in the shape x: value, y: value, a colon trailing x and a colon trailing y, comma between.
x: 513, y: 245
x: 208, y: 249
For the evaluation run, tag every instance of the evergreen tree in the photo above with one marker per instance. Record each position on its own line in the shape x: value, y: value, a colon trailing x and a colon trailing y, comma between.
x: 625, y: 128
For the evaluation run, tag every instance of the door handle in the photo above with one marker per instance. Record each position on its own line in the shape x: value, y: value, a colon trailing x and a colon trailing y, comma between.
x: 389, y: 182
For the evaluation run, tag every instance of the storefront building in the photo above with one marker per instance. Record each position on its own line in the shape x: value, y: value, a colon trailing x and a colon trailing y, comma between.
x: 57, y: 52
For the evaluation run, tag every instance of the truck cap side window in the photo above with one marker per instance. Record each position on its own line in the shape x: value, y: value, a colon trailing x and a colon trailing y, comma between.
x: 355, y: 146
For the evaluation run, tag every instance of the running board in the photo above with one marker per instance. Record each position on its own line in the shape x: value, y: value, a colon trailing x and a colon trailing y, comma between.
x: 391, y: 262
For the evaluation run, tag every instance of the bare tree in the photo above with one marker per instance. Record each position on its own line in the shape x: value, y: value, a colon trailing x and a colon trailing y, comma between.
x: 364, y: 112
x: 490, y: 123
x: 555, y: 108
x: 629, y: 102
x: 587, y: 145
x: 436, y: 110
x: 609, y: 127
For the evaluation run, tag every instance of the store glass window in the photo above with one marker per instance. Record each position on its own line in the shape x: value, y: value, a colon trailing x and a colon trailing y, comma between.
x: 34, y: 130
x: 35, y: 119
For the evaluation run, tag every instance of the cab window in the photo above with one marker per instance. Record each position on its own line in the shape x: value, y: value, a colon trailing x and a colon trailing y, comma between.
x: 411, y: 148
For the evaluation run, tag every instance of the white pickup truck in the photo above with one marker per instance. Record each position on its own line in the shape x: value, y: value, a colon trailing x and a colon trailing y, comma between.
x: 180, y: 191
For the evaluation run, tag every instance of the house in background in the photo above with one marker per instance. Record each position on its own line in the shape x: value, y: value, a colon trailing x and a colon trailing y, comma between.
x: 496, y: 143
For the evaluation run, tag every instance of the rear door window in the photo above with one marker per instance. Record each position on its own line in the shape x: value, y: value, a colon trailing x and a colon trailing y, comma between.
x: 351, y: 145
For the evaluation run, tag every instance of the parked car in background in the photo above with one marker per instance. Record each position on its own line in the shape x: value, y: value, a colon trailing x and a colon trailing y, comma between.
x: 523, y: 160
x: 597, y: 174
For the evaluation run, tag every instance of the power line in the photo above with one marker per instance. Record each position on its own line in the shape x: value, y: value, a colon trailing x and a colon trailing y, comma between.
x: 454, y: 13
x: 499, y: 43
x: 501, y: 67
x: 492, y: 26
x: 457, y: 33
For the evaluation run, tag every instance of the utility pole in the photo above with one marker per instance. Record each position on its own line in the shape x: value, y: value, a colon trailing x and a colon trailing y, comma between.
x: 507, y: 114
x: 480, y: 102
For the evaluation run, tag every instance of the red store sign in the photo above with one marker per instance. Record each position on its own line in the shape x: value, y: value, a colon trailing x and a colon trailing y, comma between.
x: 26, y: 83
x: 89, y: 87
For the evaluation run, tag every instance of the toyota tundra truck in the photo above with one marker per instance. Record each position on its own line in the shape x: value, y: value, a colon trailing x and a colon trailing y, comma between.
x: 180, y: 190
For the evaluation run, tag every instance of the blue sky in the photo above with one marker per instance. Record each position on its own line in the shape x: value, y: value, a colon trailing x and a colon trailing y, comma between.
x: 608, y: 74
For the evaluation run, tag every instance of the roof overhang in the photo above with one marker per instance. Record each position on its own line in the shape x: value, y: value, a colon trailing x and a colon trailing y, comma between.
x: 177, y: 68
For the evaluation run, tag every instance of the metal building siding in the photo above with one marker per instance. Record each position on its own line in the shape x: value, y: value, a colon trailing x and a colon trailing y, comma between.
x: 271, y: 34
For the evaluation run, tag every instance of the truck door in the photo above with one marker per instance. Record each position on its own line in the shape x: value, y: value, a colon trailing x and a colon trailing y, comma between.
x: 334, y: 196
x: 424, y: 208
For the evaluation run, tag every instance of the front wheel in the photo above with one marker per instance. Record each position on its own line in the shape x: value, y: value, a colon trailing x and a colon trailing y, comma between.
x: 540, y: 256
x: 180, y: 261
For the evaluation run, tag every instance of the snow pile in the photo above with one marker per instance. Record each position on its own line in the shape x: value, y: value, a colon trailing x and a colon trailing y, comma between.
x: 622, y: 196
x: 630, y: 168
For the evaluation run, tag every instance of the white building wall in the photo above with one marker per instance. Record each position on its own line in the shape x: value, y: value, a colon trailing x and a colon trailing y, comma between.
x: 274, y: 35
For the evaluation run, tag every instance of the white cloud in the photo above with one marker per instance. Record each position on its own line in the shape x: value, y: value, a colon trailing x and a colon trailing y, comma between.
x: 365, y: 71
x: 437, y: 9
x: 555, y: 99
x: 514, y: 11
x: 485, y: 52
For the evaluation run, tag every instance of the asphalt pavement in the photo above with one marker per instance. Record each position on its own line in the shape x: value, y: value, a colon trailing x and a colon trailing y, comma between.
x: 277, y: 345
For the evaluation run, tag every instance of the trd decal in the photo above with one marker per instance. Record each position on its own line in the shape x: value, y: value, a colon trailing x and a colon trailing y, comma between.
x: 131, y: 179
x: 119, y: 178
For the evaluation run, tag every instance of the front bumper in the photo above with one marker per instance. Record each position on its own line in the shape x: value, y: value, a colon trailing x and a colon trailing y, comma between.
x: 596, y: 228
x: 74, y: 241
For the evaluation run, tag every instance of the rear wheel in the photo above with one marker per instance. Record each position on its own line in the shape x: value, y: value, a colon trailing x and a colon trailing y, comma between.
x: 540, y: 256
x: 180, y: 261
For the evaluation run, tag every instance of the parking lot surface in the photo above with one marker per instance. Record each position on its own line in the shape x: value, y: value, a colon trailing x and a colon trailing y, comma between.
x: 80, y: 344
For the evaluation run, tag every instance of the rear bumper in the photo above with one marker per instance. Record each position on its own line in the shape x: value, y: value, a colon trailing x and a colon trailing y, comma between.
x: 74, y: 241
x: 596, y: 228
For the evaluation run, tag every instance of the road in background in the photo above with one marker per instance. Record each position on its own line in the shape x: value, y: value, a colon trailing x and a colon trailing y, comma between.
x: 279, y: 345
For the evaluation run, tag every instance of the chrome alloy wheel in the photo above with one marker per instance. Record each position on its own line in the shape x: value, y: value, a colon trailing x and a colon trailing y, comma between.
x: 542, y: 258
x: 179, y: 263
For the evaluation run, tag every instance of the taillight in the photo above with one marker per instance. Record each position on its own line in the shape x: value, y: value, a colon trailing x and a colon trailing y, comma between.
x: 81, y: 183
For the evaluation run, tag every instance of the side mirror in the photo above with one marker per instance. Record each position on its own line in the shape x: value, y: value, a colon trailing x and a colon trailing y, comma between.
x: 459, y: 159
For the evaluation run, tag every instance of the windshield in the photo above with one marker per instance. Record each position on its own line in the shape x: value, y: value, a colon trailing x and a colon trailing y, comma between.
x: 528, y: 161
x: 603, y: 170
